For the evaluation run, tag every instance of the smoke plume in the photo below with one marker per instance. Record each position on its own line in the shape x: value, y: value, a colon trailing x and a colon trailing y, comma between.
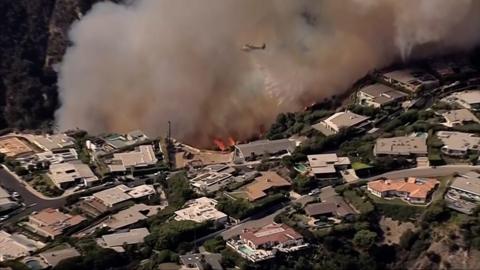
x: 145, y: 62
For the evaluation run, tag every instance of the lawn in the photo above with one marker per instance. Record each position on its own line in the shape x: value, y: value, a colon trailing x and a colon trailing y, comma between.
x: 361, y: 204
x: 360, y: 165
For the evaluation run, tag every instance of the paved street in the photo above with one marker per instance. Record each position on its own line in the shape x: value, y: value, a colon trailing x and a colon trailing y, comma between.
x: 8, y: 181
x: 427, y: 171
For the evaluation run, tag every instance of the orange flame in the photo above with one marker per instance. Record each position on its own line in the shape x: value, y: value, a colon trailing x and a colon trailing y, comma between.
x: 219, y: 143
x: 231, y: 141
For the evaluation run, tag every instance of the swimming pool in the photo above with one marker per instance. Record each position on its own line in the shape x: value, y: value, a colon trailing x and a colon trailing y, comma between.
x: 246, y: 250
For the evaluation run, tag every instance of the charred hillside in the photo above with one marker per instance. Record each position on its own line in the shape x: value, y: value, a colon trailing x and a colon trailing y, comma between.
x: 33, y: 38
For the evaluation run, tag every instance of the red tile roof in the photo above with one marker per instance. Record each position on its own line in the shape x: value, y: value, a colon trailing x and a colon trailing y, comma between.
x: 271, y: 233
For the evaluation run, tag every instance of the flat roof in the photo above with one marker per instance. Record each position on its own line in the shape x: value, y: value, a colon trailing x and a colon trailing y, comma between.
x: 468, y: 96
x: 345, y: 119
x: 462, y: 115
x: 53, y: 257
x: 142, y: 156
x: 459, y: 140
x: 200, y: 210
x: 113, y: 195
x: 49, y: 142
x: 322, y: 160
x: 265, y: 146
x: 468, y: 182
x: 134, y: 236
x: 70, y: 171
x: 401, y: 145
x: 381, y: 93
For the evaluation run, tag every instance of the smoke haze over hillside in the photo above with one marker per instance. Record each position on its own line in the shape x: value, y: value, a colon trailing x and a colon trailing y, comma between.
x: 142, y: 64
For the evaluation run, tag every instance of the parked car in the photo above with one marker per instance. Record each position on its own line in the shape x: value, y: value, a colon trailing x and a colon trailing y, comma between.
x: 2, y: 218
x: 314, y: 192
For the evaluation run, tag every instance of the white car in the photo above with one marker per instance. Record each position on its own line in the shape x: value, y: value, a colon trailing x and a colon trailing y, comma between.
x: 314, y: 192
x: 2, y: 218
x: 15, y: 194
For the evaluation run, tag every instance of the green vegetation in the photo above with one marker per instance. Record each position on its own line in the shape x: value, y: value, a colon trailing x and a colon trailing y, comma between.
x: 178, y: 190
x: 302, y: 183
x: 94, y: 258
x: 361, y: 203
x: 215, y: 245
x: 176, y: 235
x: 44, y: 185
x: 364, y: 239
x: 242, y: 208
x: 360, y: 166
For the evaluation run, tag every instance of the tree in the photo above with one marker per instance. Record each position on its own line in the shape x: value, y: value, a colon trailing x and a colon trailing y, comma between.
x: 20, y: 171
x: 407, y: 239
x: 364, y: 239
x: 215, y: 245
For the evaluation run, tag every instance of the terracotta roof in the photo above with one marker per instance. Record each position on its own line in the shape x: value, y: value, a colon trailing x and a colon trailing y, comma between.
x: 271, y: 233
x: 267, y: 180
x: 418, y: 188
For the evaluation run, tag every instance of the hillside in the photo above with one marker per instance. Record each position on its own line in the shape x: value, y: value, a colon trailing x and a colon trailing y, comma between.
x: 33, y: 39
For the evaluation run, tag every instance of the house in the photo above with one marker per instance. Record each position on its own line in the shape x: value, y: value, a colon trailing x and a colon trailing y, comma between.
x: 401, y: 146
x: 264, y: 183
x: 326, y: 209
x: 66, y: 175
x: 459, y: 117
x: 13, y: 246
x: 56, y: 156
x: 51, y: 142
x: 413, y: 190
x: 334, y: 207
x: 467, y: 186
x: 55, y: 256
x: 199, y: 261
x: 411, y: 80
x: 458, y: 144
x: 117, y: 241
x: 131, y: 215
x: 201, y: 210
x: 259, y: 244
x: 113, y: 197
x: 326, y: 166
x: 258, y: 149
x: 469, y: 99
x: 143, y: 156
x: 379, y: 95
x: 210, y: 182
x: 347, y: 119
x: 270, y: 236
x: 52, y: 223
x: 141, y: 191
x: 14, y: 147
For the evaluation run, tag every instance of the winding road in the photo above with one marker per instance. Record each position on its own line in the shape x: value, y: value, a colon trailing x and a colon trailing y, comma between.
x: 427, y: 171
x: 32, y: 201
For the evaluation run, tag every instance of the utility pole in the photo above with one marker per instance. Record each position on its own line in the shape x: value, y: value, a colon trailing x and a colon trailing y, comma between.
x: 169, y: 134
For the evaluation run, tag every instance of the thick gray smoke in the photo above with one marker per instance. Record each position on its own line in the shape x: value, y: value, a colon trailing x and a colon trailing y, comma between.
x: 141, y: 64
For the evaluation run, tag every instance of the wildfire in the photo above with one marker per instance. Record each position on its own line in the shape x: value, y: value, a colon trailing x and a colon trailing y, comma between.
x: 224, y: 145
